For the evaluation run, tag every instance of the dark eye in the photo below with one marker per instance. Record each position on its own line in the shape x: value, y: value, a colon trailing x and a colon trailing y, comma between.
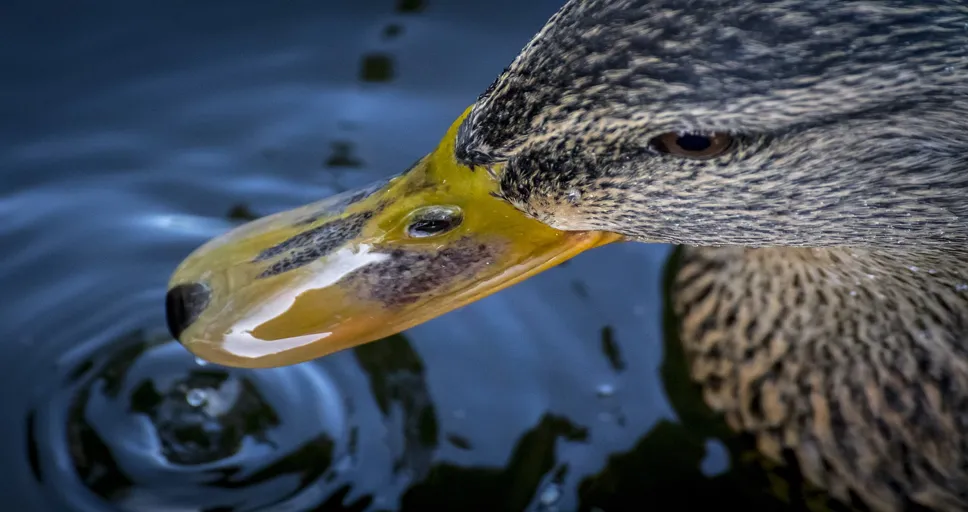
x: 693, y: 145
x: 434, y: 220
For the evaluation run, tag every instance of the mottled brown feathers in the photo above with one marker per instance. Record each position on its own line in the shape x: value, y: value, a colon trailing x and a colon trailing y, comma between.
x: 824, y: 293
x: 856, y: 360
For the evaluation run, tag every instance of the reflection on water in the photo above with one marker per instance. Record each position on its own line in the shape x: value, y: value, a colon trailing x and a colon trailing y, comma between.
x: 148, y: 428
x: 133, y: 131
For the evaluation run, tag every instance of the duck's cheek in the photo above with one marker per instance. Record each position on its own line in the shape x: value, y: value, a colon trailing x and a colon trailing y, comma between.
x: 565, y: 216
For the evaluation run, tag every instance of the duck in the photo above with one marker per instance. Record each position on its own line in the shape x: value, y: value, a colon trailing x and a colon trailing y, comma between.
x: 809, y: 160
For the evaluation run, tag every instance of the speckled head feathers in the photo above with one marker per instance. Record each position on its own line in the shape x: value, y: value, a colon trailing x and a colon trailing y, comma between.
x: 848, y: 118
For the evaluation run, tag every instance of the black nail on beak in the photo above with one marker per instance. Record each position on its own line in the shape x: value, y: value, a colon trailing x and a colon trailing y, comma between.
x: 183, y: 304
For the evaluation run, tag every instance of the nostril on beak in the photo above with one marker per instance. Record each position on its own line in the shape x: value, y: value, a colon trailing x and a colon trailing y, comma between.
x: 183, y: 304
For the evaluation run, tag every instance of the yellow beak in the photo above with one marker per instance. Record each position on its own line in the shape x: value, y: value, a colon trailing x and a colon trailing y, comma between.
x: 360, y: 266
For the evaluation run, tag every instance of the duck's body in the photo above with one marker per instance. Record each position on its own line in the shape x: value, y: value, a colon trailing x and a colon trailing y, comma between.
x: 853, y: 361
x: 813, y: 158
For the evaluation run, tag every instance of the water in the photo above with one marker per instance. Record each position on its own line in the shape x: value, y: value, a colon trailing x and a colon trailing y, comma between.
x: 132, y: 131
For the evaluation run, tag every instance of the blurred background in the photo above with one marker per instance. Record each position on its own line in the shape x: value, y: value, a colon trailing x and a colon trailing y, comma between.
x: 131, y: 131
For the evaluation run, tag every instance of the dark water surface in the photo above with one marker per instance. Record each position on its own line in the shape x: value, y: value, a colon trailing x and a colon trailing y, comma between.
x: 131, y: 131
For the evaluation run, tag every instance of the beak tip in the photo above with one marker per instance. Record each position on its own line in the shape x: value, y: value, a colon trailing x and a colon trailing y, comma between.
x: 184, y: 303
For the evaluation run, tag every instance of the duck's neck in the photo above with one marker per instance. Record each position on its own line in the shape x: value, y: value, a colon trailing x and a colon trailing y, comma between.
x: 855, y: 360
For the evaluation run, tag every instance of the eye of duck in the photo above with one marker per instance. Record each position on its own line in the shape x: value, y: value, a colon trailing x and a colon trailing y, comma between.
x: 693, y: 145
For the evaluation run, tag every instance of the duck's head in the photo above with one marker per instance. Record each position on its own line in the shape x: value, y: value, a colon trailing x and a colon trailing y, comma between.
x: 703, y: 122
